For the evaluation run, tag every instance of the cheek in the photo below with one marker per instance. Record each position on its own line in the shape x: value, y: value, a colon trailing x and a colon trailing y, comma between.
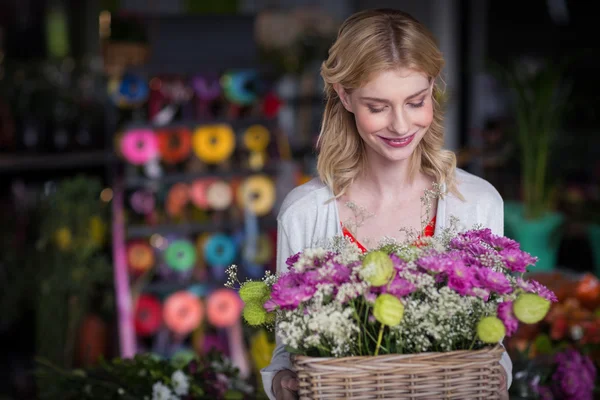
x: 423, y: 116
x: 368, y: 122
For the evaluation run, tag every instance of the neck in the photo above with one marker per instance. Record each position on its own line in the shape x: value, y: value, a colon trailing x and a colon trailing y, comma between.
x: 386, y: 180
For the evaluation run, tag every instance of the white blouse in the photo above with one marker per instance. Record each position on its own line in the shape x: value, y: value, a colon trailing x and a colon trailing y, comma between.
x: 307, y: 218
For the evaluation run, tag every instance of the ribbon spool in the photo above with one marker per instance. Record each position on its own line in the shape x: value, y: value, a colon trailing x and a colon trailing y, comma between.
x: 219, y: 195
x: 257, y: 193
x: 148, y: 315
x: 241, y: 87
x: 130, y: 91
x: 207, y: 89
x: 180, y: 255
x: 177, y: 199
x: 219, y: 250
x: 175, y: 145
x: 140, y: 256
x: 139, y: 146
x: 183, y: 312
x: 257, y: 138
x: 223, y: 308
x: 166, y: 96
x: 214, y: 144
x: 198, y: 193
x: 142, y: 202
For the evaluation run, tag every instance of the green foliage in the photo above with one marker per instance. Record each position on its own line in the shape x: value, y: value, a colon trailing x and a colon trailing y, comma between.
x: 134, y: 378
x: 541, y: 97
x: 73, y: 265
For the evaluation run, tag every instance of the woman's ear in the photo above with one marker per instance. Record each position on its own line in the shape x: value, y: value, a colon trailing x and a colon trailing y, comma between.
x: 343, y: 95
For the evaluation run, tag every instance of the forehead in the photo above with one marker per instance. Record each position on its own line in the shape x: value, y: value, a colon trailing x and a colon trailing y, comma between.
x: 394, y: 84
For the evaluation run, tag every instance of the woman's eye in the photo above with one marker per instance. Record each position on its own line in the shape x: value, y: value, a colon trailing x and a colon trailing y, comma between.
x: 375, y: 110
x: 417, y: 105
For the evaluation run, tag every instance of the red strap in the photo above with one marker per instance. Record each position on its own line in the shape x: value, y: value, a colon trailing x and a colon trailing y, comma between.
x: 428, y: 232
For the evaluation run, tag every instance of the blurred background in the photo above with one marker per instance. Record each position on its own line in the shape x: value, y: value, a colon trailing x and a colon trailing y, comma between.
x: 146, y: 145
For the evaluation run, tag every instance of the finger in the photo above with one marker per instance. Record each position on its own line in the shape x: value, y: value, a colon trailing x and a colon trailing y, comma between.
x: 290, y: 384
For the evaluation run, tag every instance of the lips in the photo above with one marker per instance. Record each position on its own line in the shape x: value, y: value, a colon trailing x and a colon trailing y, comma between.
x: 397, y: 143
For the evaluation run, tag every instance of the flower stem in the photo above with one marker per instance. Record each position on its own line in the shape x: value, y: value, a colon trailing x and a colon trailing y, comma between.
x: 379, y: 339
x: 473, y: 342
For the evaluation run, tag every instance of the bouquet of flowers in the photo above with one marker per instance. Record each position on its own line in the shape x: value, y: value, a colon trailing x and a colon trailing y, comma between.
x: 455, y: 291
x: 145, y: 377
x: 556, y: 359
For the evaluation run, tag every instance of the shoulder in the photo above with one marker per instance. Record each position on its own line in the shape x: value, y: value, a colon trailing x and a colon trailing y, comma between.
x: 304, y: 198
x: 476, y: 189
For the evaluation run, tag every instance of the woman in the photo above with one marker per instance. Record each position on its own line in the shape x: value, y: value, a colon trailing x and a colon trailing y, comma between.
x: 380, y: 151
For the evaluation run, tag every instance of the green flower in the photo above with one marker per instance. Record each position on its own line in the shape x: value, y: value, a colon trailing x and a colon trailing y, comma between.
x: 254, y: 314
x: 270, y: 318
x: 388, y: 310
x: 491, y: 330
x: 378, y: 268
x: 530, y: 308
x: 255, y: 292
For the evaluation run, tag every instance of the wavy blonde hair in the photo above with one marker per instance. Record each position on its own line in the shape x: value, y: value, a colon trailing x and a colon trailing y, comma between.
x: 368, y: 43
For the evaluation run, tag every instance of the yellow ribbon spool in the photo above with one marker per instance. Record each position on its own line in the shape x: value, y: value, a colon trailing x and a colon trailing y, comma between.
x: 257, y: 193
x: 213, y: 144
x: 257, y: 138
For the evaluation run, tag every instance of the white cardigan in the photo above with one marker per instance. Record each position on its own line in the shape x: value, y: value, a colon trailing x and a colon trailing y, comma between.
x: 307, y: 219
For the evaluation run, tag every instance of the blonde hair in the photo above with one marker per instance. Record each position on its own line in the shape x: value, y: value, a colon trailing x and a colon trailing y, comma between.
x: 371, y: 42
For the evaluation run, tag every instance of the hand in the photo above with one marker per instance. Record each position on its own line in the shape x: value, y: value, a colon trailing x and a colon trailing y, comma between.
x: 503, y: 388
x: 285, y: 385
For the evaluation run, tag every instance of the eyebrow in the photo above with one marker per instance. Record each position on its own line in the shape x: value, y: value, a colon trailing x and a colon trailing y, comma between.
x: 376, y: 99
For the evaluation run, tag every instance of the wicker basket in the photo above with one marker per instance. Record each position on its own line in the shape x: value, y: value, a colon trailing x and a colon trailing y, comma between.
x: 452, y: 375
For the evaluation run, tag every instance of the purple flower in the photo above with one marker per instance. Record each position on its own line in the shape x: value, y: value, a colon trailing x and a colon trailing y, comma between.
x: 460, y: 278
x: 399, y: 264
x: 543, y: 291
x: 292, y: 259
x: 494, y: 281
x: 517, y: 260
x: 399, y: 287
x: 501, y: 243
x: 434, y: 262
x: 574, y: 376
x: 290, y: 290
x: 507, y: 317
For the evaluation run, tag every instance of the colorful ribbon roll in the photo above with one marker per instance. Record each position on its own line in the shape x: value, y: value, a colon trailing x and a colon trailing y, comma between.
x: 140, y: 256
x: 220, y: 250
x: 175, y: 145
x: 177, y: 199
x: 183, y: 312
x: 219, y: 195
x: 257, y: 138
x: 257, y: 193
x: 214, y: 144
x: 148, y: 315
x: 142, y: 202
x: 139, y: 146
x: 180, y: 255
x: 129, y: 91
x: 223, y: 308
x: 198, y: 191
x: 241, y: 87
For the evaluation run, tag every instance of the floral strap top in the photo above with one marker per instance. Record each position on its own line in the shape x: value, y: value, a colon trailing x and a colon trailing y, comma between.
x: 428, y: 232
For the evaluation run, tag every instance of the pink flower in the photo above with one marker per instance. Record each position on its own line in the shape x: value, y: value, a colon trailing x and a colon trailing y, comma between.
x: 460, y: 278
x: 517, y: 260
x: 494, y: 281
x: 505, y: 314
x: 399, y: 287
x: 543, y: 291
x: 290, y: 290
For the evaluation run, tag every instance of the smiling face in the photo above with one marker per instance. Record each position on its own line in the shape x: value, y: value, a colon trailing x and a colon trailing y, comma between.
x: 393, y: 112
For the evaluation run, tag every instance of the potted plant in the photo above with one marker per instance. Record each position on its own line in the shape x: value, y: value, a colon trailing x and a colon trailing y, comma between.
x: 540, y: 99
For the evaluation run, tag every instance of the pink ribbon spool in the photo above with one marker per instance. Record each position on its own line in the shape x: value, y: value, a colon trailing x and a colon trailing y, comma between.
x: 139, y: 146
x: 183, y: 312
x: 223, y: 308
x: 198, y: 193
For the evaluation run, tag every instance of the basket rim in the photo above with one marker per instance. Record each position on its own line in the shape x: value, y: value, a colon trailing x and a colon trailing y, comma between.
x: 486, y: 350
